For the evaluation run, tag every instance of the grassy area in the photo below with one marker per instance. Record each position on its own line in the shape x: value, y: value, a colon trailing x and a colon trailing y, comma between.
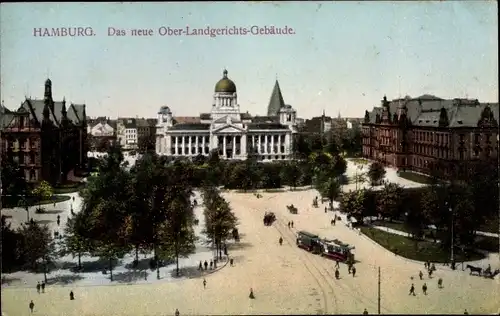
x: 69, y: 188
x: 487, y: 243
x: 12, y: 201
x: 414, y: 249
x: 360, y: 161
x: 491, y: 225
x: 415, y: 177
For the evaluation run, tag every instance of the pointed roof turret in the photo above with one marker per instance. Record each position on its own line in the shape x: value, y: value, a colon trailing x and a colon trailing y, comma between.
x: 276, y: 102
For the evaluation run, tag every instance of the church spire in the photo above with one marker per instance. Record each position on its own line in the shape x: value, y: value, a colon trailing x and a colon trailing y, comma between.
x: 276, y: 101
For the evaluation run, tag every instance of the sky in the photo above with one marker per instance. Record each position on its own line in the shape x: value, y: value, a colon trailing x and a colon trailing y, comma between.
x: 342, y: 58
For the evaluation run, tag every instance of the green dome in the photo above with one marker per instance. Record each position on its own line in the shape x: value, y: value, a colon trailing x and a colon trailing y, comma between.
x: 225, y: 84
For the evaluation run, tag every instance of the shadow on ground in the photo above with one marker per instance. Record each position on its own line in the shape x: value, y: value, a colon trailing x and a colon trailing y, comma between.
x: 191, y: 272
x: 52, y: 212
x: 144, y: 264
x: 44, y: 221
x: 129, y: 276
x: 240, y: 245
x: 299, y: 189
x: 87, y: 266
x: 64, y: 279
x: 9, y: 280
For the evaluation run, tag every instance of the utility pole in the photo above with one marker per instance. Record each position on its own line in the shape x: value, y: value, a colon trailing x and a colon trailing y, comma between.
x: 379, y: 290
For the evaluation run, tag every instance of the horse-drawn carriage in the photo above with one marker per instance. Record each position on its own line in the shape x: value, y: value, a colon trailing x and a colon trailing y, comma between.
x: 269, y: 218
x: 292, y: 209
x: 487, y: 273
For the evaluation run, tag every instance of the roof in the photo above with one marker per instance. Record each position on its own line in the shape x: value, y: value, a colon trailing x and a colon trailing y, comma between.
x: 75, y: 112
x: 186, y: 119
x: 130, y: 123
x: 205, y: 116
x: 425, y: 110
x: 265, y: 119
x: 225, y: 85
x: 276, y: 101
x: 190, y: 127
x: 258, y: 126
x: 6, y: 116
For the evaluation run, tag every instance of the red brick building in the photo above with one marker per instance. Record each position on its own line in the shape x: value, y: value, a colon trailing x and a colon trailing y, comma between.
x: 46, y: 138
x: 415, y: 133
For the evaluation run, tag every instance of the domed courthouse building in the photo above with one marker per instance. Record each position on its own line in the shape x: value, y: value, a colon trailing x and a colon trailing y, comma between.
x: 233, y: 134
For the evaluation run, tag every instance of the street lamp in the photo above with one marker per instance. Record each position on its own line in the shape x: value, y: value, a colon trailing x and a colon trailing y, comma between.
x: 452, y: 237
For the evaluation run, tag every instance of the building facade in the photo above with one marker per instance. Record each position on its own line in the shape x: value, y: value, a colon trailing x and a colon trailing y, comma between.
x: 46, y: 138
x: 101, y: 133
x: 418, y: 133
x: 233, y: 134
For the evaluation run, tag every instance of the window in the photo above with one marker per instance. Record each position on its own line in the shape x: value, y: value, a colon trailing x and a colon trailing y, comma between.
x: 477, y: 138
x: 32, y: 159
x: 32, y: 175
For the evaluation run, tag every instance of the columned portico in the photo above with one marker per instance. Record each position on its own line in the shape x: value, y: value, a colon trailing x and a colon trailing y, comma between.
x: 234, y: 135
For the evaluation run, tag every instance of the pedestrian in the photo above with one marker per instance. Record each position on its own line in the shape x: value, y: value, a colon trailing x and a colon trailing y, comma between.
x: 334, y: 221
x: 54, y: 204
x: 433, y: 267
x: 251, y: 294
x: 349, y: 267
x: 204, y: 283
x: 424, y: 288
x: 71, y: 296
x: 337, y: 264
x: 365, y: 312
x: 231, y: 262
x: 73, y: 199
x: 421, y: 275
x: 43, y: 286
x: 32, y: 305
x: 58, y: 220
x: 288, y: 224
x: 211, y: 264
x: 440, y: 283
x: 206, y: 264
x: 466, y: 312
x: 291, y: 223
x: 429, y: 272
x: 200, y: 267
x: 38, y: 287
x: 325, y: 209
x: 215, y: 263
x: 281, y: 241
x: 412, y: 290
x: 177, y: 312
x: 353, y: 271
x: 337, y: 274
x: 425, y: 264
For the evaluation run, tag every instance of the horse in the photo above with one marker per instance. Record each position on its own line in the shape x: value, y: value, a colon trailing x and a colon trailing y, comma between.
x: 473, y: 269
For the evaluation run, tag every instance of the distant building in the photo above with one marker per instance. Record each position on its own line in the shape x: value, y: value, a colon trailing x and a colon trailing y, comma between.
x: 416, y: 133
x: 234, y: 134
x: 46, y: 138
x: 101, y: 133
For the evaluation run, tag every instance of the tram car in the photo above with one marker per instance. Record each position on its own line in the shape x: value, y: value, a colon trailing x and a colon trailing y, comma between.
x: 309, y: 242
x: 336, y: 250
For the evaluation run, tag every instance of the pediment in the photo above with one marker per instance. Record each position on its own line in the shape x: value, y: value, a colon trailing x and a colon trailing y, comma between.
x: 229, y: 129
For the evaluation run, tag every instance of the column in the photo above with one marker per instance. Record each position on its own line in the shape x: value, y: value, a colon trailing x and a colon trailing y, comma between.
x: 253, y: 142
x: 287, y: 143
x: 203, y: 144
x: 224, y: 146
x: 243, y: 145
x: 183, y: 145
x: 272, y: 144
x: 234, y: 145
x: 196, y: 144
x: 189, y: 144
x: 279, y: 144
x: 259, y: 148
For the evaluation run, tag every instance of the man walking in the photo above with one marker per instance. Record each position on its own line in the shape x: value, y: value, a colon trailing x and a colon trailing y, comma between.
x: 424, y: 289
x: 38, y: 287
x: 43, y: 286
x: 32, y: 305
x: 412, y: 290
x: 204, y: 283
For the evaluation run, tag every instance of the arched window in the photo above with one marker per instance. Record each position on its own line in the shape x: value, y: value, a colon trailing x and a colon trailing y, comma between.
x: 32, y: 175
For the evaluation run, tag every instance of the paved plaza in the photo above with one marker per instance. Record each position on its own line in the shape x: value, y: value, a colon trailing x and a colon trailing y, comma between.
x: 285, y: 279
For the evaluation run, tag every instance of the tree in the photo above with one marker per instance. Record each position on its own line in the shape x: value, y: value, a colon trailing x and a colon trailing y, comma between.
x: 219, y: 218
x: 389, y: 200
x: 215, y: 169
x: 72, y: 242
x: 199, y: 160
x: 37, y: 245
x: 301, y: 147
x: 376, y: 173
x: 146, y: 143
x: 270, y: 175
x: 13, y: 180
x: 353, y: 203
x: 329, y: 188
x: 43, y: 191
x: 331, y: 146
x: 11, y: 241
x: 290, y: 173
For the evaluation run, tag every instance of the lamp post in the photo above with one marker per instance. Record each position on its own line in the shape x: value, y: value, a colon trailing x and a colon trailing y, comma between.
x: 452, y: 237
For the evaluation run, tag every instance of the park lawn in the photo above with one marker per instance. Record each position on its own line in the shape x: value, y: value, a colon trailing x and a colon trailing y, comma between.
x: 360, y: 161
x: 491, y: 225
x: 415, y: 177
x: 414, y: 249
x: 11, y: 201
x: 69, y: 188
